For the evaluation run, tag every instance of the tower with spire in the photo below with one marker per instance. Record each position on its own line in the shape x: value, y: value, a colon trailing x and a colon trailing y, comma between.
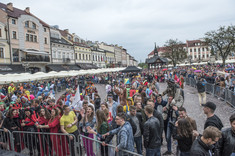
x: 155, y: 50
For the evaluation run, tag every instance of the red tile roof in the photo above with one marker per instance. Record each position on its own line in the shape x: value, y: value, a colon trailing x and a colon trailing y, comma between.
x: 192, y: 43
x: 17, y: 13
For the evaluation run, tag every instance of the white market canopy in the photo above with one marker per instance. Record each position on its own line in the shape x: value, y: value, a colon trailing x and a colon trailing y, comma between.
x: 26, y: 77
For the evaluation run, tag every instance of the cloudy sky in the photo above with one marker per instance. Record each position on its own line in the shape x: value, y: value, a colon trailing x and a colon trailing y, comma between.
x: 134, y: 24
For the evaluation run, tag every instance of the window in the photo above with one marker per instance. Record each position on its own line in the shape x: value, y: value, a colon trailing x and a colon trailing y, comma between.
x: 207, y: 49
x: 0, y: 32
x: 1, y: 53
x: 14, y: 34
x: 83, y: 56
x: 191, y: 50
x: 45, y: 29
x: 195, y: 56
x: 203, y: 56
x: 76, y: 56
x: 15, y: 55
x: 34, y: 26
x: 27, y: 24
x: 31, y: 38
x: 27, y: 37
x: 63, y: 55
x: 194, y: 49
x: 89, y: 57
x: 71, y: 56
x: 45, y: 40
x: 198, y: 49
x: 203, y: 49
x: 207, y: 55
x: 59, y: 54
x: 13, y: 21
x: 79, y: 56
x: 35, y: 38
x: 86, y: 57
x: 67, y: 56
x: 54, y: 54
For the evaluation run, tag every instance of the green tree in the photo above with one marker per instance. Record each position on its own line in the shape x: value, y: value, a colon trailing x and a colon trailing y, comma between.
x: 175, y: 51
x: 143, y: 65
x: 222, y: 41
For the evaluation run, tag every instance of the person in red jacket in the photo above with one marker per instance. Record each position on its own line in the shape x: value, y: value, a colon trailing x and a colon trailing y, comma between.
x: 28, y: 125
x: 54, y: 126
x: 44, y: 140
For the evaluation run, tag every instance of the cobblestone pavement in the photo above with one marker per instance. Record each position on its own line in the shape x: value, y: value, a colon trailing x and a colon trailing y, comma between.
x: 223, y: 111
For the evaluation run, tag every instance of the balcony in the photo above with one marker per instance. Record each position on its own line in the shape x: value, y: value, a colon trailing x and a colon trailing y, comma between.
x: 38, y: 58
x: 66, y: 60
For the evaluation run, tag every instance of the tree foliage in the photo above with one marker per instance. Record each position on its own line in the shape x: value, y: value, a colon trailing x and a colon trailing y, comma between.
x: 175, y: 51
x: 222, y: 41
x: 143, y: 65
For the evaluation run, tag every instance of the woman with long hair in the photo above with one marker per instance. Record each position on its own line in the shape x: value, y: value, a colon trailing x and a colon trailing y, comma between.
x: 88, y: 120
x: 12, y: 123
x: 102, y: 128
x: 54, y: 126
x: 104, y: 107
x: 184, y: 135
x: 45, y: 142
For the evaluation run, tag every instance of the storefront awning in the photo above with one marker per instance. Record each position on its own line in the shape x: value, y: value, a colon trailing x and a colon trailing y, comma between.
x: 32, y: 52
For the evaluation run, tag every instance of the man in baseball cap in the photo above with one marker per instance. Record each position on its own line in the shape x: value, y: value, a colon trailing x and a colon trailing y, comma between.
x: 212, y: 119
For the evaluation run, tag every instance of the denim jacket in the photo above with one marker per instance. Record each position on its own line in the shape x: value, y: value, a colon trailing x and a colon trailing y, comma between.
x: 125, y: 139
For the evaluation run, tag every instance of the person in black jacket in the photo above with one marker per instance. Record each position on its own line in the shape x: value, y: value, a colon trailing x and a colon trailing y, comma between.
x: 97, y: 101
x: 12, y: 123
x: 137, y: 118
x: 183, y: 133
x: 201, y: 91
x: 203, y: 145
x: 212, y: 119
x: 227, y: 142
x: 157, y: 114
x: 152, y: 133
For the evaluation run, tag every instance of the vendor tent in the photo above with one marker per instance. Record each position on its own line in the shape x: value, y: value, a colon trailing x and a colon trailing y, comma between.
x: 131, y: 69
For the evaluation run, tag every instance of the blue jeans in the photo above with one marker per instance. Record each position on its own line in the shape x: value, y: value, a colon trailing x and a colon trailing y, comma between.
x: 153, y: 152
x: 168, y: 136
x: 138, y: 142
x: 233, y: 154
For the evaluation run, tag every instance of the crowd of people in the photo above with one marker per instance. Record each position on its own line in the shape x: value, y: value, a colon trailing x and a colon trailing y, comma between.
x: 136, y: 110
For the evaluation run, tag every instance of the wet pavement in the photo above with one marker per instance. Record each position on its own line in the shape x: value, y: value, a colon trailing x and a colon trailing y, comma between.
x: 195, y: 111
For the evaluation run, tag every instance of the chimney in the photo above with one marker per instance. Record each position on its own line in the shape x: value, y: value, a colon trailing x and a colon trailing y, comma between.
x: 27, y: 10
x: 66, y: 30
x: 10, y: 6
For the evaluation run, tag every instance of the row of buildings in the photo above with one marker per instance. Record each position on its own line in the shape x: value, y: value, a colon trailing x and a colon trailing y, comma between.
x: 197, y: 51
x: 29, y: 44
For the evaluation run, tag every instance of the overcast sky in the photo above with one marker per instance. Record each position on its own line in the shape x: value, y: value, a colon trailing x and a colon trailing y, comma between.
x: 134, y: 24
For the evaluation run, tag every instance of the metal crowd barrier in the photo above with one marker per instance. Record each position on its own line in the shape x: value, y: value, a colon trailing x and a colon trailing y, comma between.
x: 215, y: 90
x: 6, y: 140
x: 40, y: 143
x: 94, y: 147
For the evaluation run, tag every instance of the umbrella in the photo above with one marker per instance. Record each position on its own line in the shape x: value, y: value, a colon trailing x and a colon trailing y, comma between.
x: 197, y: 71
x: 228, y: 69
x: 164, y: 69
